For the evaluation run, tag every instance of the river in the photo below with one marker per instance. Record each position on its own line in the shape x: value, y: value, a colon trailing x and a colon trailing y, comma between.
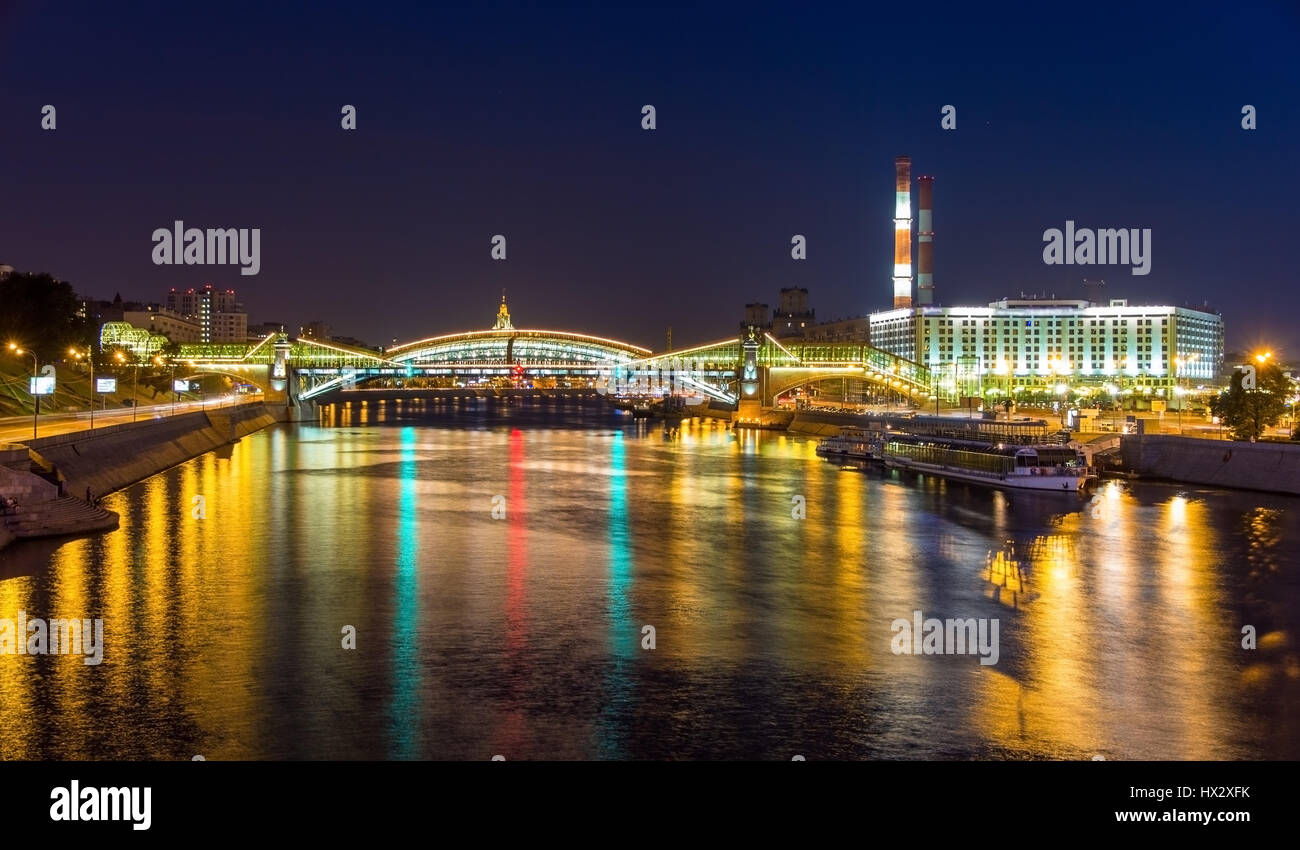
x: 500, y: 565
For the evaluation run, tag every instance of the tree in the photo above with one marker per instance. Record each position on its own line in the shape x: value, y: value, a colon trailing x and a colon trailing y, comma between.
x: 1248, y: 412
x: 40, y: 314
x: 170, y: 351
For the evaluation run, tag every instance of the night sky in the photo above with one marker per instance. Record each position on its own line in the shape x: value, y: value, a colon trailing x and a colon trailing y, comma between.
x: 771, y: 122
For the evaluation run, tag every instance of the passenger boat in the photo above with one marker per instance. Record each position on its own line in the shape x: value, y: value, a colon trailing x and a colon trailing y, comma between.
x: 855, y: 443
x: 1048, y: 467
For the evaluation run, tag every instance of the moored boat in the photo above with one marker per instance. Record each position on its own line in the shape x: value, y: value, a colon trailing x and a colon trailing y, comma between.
x: 855, y: 443
x: 1044, y: 467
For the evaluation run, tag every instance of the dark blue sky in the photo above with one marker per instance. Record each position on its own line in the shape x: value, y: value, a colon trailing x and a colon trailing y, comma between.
x: 771, y: 121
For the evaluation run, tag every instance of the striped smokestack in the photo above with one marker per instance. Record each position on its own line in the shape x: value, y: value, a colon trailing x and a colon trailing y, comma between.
x: 925, y: 243
x: 902, y: 232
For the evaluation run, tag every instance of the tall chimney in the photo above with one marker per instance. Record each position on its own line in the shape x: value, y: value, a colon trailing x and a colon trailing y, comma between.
x: 902, y: 232
x: 925, y: 244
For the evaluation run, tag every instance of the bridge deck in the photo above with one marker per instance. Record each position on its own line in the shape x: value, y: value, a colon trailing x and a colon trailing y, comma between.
x: 711, y: 368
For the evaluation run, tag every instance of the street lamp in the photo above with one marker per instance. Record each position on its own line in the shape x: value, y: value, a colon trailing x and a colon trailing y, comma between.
x: 1180, y: 379
x: 90, y: 357
x: 1063, y: 390
x: 160, y: 362
x: 1123, y: 367
x: 135, y: 383
x: 36, y: 368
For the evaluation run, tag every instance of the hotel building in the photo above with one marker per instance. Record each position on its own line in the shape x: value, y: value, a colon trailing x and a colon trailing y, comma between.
x: 1039, y: 344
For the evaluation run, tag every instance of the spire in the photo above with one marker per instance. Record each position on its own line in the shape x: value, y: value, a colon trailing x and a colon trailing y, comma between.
x: 503, y: 316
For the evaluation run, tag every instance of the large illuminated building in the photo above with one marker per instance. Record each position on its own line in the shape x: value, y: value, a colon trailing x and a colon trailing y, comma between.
x: 1038, y: 344
x: 1042, y: 343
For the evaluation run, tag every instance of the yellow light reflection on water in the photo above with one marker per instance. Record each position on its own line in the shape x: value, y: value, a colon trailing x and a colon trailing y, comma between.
x: 710, y: 553
x: 1119, y: 579
x: 17, y: 685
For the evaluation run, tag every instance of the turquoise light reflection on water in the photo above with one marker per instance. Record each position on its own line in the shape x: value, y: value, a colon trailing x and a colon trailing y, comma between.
x: 624, y: 635
x: 404, y: 711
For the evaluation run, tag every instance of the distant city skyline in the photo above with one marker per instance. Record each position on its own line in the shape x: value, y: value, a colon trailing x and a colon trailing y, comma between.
x: 384, y: 232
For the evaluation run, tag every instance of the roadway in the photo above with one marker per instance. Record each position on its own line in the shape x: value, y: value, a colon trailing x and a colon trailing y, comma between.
x: 18, y: 429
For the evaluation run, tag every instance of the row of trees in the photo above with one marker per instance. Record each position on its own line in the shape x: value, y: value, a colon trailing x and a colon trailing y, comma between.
x: 40, y: 314
x: 1246, y: 411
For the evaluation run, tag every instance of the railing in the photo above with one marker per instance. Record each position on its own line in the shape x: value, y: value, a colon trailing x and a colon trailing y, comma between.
x: 1058, y: 471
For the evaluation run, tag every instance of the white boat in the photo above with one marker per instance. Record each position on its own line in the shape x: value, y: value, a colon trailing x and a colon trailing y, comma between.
x: 1043, y: 467
x: 854, y: 443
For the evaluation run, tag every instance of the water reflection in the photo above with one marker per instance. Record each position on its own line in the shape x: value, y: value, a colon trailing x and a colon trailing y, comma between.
x: 519, y: 632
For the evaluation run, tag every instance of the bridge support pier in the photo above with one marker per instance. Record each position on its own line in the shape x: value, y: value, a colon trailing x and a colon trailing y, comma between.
x: 751, y: 411
x: 298, y: 411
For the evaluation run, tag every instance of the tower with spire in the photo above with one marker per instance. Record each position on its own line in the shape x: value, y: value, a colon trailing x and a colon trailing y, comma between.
x: 503, y: 316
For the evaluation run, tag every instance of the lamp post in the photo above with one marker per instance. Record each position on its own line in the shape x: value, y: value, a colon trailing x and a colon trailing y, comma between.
x: 1123, y: 367
x: 1263, y: 359
x: 90, y: 358
x: 36, y: 368
x: 159, y: 361
x: 135, y: 383
x: 1180, y: 379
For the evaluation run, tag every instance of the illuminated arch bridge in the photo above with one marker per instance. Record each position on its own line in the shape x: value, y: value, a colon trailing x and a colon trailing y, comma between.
x: 314, y: 368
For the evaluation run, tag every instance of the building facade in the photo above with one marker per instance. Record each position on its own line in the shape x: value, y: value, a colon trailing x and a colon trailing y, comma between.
x: 192, y: 301
x: 855, y: 329
x: 229, y: 327
x: 316, y: 329
x: 219, y: 316
x: 1043, y: 343
x: 792, y: 319
x: 160, y: 320
x: 757, y: 315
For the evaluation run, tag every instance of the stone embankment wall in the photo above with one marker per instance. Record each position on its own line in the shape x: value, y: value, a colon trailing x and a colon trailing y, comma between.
x: 109, y: 459
x: 1272, y: 467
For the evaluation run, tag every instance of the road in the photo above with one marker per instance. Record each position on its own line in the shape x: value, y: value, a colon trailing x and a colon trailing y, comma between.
x: 18, y: 429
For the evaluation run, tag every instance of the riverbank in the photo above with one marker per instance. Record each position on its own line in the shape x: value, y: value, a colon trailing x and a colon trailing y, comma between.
x: 109, y: 459
x: 47, y: 475
x: 1267, y: 467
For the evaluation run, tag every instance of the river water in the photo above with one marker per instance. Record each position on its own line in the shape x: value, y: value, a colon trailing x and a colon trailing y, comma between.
x: 500, y: 564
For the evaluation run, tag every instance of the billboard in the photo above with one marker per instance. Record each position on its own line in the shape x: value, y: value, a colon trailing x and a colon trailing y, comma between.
x: 106, y: 385
x: 44, y: 385
x: 180, y: 386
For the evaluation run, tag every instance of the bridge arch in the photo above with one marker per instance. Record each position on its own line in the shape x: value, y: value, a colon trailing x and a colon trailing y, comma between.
x: 783, y: 379
x: 510, y: 346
